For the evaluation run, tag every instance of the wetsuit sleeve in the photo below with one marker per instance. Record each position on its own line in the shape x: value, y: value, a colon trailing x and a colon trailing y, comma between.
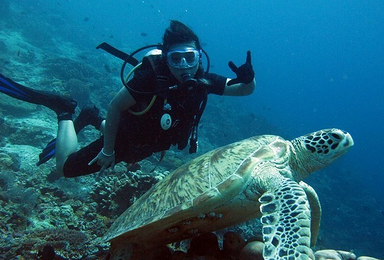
x: 144, y: 80
x: 216, y: 83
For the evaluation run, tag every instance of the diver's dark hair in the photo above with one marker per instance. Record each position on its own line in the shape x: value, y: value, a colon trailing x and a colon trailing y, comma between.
x: 178, y: 33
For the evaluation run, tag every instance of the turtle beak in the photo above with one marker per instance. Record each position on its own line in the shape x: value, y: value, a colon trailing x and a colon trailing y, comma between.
x: 348, y: 142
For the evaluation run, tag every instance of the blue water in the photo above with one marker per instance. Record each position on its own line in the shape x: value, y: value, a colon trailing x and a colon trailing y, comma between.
x: 318, y: 64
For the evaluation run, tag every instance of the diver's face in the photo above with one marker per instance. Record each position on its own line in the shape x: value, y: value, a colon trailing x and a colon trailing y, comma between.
x: 183, y: 59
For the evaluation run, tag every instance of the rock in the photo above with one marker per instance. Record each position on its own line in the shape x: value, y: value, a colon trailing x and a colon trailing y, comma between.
x: 6, y: 161
x: 330, y: 254
x: 257, y: 237
x: 204, y: 245
x: 158, y: 253
x: 233, y: 243
x: 252, y: 250
x: 179, y: 255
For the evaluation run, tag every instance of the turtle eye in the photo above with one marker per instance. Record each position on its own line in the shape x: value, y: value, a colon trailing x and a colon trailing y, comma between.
x: 334, y: 146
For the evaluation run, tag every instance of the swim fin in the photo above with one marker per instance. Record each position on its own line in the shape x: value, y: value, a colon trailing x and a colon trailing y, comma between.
x: 63, y: 106
x: 47, y: 153
x: 13, y: 89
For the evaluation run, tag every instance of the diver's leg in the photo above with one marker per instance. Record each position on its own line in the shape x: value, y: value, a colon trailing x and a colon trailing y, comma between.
x: 102, y: 127
x: 89, y: 115
x: 77, y: 164
x: 64, y: 107
x: 66, y: 143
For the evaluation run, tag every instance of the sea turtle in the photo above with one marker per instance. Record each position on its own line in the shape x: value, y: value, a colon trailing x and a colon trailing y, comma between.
x: 259, y: 176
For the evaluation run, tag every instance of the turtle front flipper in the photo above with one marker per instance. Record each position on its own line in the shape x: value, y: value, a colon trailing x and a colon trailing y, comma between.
x: 314, y: 203
x: 286, y: 222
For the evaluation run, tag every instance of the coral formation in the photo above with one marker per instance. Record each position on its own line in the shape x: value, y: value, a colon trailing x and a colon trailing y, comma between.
x: 79, y: 90
x: 7, y: 162
x: 115, y: 193
x: 66, y: 69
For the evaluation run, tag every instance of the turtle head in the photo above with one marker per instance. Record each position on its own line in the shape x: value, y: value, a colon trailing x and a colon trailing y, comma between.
x: 319, y: 149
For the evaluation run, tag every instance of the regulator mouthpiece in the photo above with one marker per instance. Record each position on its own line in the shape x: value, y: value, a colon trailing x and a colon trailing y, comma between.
x: 189, y: 81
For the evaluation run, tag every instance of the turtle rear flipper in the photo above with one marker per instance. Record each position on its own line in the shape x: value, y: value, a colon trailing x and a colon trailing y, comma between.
x: 120, y: 250
x: 286, y: 222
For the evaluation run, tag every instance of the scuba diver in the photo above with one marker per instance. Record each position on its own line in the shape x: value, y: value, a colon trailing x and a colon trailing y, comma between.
x: 159, y: 106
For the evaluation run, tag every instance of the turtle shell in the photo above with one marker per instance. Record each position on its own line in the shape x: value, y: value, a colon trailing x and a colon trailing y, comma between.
x: 199, y: 196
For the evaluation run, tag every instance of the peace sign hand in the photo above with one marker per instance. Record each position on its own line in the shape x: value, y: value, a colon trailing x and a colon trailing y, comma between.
x: 244, y: 73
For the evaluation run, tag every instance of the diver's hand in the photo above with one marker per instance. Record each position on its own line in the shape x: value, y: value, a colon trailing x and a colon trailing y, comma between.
x: 244, y: 73
x: 104, y: 160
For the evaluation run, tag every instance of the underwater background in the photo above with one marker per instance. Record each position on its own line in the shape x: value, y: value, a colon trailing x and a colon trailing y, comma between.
x: 318, y: 64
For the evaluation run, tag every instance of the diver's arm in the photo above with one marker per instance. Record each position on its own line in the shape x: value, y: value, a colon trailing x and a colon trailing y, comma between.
x: 239, y: 89
x: 244, y: 83
x: 122, y: 101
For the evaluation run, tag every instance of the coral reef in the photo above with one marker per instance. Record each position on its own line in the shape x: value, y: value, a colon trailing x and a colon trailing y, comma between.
x: 66, y: 69
x: 79, y: 90
x: 115, y: 193
x: 9, y: 161
x: 70, y: 243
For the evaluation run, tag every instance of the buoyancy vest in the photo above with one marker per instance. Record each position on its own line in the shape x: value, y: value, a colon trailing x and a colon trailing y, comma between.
x: 182, y: 106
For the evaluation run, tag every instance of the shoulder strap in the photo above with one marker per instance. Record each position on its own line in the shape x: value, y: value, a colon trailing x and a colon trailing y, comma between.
x: 162, y: 79
x: 162, y: 153
x: 193, y: 144
x: 156, y: 63
x: 117, y: 53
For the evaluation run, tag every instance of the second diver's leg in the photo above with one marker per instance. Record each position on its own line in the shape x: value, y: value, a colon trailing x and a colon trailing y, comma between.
x: 89, y: 115
x: 102, y: 127
x: 66, y: 143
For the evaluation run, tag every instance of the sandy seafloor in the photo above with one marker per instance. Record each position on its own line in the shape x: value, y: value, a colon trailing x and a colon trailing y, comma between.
x: 47, y: 50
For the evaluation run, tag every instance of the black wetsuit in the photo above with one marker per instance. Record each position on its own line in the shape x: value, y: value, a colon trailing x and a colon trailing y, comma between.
x: 139, y: 136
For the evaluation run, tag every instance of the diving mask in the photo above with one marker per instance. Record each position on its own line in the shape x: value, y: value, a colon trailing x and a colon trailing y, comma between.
x: 183, y: 58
